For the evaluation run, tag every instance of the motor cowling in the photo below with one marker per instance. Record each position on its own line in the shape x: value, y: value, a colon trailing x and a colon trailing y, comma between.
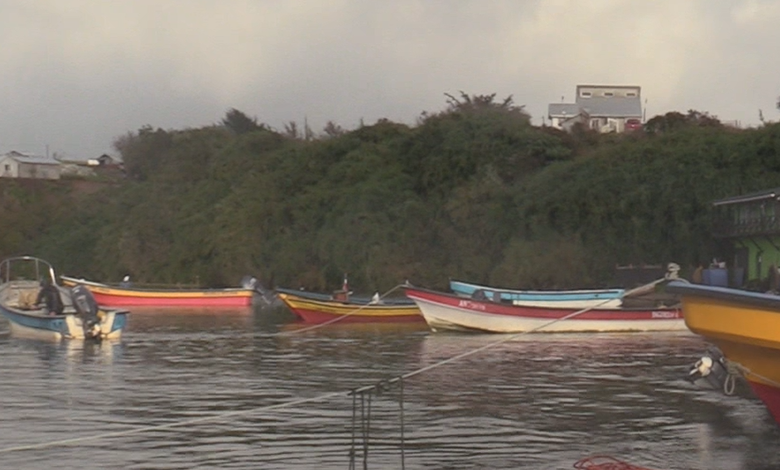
x: 249, y: 282
x: 87, y: 309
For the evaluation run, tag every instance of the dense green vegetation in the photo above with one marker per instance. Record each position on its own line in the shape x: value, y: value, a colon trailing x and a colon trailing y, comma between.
x: 473, y: 192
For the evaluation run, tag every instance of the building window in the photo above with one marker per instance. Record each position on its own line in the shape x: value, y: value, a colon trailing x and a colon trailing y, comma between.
x: 8, y: 168
x: 608, y: 93
x: 630, y: 93
x: 585, y: 94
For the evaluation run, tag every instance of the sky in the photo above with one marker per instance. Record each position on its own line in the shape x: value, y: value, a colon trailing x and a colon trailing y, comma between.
x: 77, y: 74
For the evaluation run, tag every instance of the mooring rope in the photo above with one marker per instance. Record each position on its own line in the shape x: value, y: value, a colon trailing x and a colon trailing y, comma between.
x: 384, y: 384
x: 734, y: 368
x: 506, y: 339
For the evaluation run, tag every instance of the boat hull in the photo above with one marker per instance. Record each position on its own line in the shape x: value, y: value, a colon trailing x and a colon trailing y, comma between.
x: 450, y: 312
x: 745, y: 326
x: 30, y: 296
x: 770, y: 395
x: 55, y: 328
x: 322, y: 311
x: 111, y: 296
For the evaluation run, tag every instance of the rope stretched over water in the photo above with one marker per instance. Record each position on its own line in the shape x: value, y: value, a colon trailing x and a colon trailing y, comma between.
x: 471, y: 352
x: 381, y: 385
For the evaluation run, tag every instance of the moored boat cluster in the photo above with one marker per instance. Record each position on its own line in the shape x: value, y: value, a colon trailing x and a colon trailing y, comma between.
x: 744, y: 325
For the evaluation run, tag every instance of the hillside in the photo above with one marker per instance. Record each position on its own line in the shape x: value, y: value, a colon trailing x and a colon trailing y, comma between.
x: 473, y: 192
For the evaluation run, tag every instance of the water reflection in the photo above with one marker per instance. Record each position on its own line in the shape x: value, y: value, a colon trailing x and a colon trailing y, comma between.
x: 623, y: 394
x: 536, y: 402
x: 189, y: 320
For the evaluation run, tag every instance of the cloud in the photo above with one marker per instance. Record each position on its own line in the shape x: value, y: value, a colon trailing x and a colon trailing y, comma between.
x: 79, y: 73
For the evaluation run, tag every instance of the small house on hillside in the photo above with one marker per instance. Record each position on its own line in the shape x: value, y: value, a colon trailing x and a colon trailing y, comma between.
x: 565, y: 115
x: 18, y: 165
x: 604, y: 108
x: 102, y: 166
x: 750, y: 226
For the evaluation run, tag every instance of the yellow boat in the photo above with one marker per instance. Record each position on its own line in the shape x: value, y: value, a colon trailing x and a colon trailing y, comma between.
x: 745, y: 326
x: 316, y: 308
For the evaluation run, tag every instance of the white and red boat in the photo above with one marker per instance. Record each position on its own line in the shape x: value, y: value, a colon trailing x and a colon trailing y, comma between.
x: 444, y: 311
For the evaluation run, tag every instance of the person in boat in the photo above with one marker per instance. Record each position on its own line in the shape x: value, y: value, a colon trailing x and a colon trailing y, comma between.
x: 125, y: 282
x: 49, y: 298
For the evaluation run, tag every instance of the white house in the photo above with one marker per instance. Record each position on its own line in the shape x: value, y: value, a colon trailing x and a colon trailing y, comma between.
x: 605, y: 108
x: 18, y: 165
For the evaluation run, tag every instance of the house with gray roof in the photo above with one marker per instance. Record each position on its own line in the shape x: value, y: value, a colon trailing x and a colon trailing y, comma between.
x: 566, y: 115
x: 18, y: 165
x: 605, y: 108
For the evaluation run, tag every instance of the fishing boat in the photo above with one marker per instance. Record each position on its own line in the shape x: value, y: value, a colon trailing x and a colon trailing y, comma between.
x: 338, y: 296
x: 135, y: 296
x: 581, y: 298
x: 444, y: 311
x: 26, y: 281
x: 745, y: 326
x: 321, y: 308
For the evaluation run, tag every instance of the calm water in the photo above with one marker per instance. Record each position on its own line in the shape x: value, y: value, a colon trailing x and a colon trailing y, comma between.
x: 538, y: 402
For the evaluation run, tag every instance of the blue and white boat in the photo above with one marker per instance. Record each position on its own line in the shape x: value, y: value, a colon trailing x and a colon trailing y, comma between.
x: 580, y: 298
x: 77, y: 315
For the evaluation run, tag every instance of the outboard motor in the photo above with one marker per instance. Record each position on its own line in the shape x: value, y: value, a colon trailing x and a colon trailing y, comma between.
x: 87, y: 308
x: 267, y: 296
x: 249, y: 282
x: 712, y: 370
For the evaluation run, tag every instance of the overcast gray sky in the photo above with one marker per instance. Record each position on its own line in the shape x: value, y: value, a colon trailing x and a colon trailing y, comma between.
x: 78, y: 73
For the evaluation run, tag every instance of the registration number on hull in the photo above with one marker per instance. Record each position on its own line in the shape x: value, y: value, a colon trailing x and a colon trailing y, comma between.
x: 470, y: 305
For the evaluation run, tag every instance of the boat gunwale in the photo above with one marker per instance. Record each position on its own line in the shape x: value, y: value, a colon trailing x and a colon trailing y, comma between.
x: 735, y: 296
x: 351, y: 300
x: 411, y: 308
x: 109, y: 289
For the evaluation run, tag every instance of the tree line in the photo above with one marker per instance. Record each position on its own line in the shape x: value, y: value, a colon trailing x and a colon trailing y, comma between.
x: 473, y: 191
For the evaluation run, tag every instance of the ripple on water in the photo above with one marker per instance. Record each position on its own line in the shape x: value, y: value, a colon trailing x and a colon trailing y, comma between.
x: 536, y: 402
